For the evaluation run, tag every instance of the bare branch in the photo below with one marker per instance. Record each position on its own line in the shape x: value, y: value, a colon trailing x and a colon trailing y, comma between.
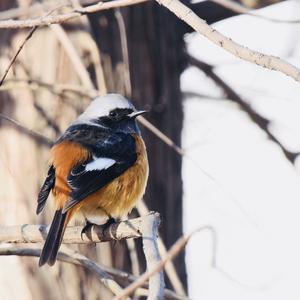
x: 262, y: 122
x: 98, y: 233
x: 169, y: 267
x: 124, y: 46
x: 240, y: 9
x: 55, y: 88
x: 67, y: 16
x: 35, y: 135
x: 267, y: 61
x: 103, y: 273
x: 150, y: 233
x: 161, y: 135
x: 145, y: 227
x: 29, y: 35
x: 174, y: 250
x: 69, y: 256
x: 64, y: 39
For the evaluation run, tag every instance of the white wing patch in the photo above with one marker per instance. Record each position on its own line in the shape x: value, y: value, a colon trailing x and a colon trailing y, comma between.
x: 100, y: 163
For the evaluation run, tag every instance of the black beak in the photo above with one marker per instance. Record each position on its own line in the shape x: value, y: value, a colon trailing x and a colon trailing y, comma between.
x: 136, y: 113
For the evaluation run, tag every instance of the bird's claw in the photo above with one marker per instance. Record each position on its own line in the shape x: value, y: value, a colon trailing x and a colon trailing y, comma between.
x: 86, y: 229
x: 106, y: 225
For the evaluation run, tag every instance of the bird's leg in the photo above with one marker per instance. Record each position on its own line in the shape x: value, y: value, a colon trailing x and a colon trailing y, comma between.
x: 110, y: 220
x: 86, y: 229
x: 106, y: 225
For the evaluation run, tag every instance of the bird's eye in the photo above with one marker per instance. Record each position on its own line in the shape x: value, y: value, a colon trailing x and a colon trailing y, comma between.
x: 113, y: 114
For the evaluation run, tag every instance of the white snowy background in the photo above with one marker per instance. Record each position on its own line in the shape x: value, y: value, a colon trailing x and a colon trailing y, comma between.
x: 253, y: 200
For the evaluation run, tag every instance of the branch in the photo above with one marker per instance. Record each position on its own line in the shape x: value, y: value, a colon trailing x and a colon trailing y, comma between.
x: 145, y: 227
x: 44, y: 21
x: 103, y: 273
x: 54, y: 88
x: 172, y: 253
x: 29, y: 35
x: 240, y: 9
x: 35, y: 135
x: 98, y: 233
x: 70, y: 49
x: 169, y: 267
x: 262, y: 122
x: 150, y: 234
x: 69, y: 256
x: 267, y: 61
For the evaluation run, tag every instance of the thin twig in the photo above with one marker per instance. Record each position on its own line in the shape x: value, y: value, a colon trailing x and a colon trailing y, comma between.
x: 174, y: 250
x: 73, y: 55
x: 35, y: 135
x: 67, y: 16
x: 161, y: 135
x: 124, y: 46
x: 69, y: 256
x: 38, y: 8
x: 28, y: 36
x: 262, y: 122
x: 267, y: 61
x: 54, y: 88
x: 240, y: 9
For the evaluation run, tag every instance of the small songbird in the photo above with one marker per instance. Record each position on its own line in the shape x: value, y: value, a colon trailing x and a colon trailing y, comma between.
x: 98, y: 168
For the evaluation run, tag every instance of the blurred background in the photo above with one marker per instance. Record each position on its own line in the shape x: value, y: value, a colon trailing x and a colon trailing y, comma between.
x: 237, y: 124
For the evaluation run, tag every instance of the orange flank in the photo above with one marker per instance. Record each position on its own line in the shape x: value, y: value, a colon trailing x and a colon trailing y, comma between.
x: 64, y: 157
x: 116, y: 198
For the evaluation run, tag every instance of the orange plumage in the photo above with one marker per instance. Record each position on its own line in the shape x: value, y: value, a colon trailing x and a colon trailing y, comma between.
x: 117, y: 198
x: 98, y: 167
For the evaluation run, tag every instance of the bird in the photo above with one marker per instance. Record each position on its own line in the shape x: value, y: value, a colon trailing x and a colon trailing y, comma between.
x: 98, y: 168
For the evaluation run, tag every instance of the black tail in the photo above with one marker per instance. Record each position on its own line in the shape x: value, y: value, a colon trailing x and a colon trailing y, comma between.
x: 54, y: 238
x: 45, y: 190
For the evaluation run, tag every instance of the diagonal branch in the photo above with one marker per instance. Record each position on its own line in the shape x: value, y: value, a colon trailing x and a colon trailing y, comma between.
x: 105, y: 274
x: 240, y: 9
x: 267, y: 61
x: 29, y: 35
x: 35, y: 135
x: 262, y: 122
x: 69, y: 256
x: 67, y: 16
x: 172, y: 253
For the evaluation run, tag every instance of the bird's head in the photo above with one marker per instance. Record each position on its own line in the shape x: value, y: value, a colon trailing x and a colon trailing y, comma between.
x: 112, y: 111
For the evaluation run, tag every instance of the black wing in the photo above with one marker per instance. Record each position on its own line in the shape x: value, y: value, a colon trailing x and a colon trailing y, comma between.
x: 119, y: 147
x: 45, y: 190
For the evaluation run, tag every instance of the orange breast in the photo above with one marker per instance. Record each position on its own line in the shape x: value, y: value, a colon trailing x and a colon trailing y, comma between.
x: 116, y: 198
x: 64, y: 157
x: 119, y: 197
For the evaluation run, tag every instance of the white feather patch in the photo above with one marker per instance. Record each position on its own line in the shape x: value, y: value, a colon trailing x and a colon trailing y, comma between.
x: 100, y: 163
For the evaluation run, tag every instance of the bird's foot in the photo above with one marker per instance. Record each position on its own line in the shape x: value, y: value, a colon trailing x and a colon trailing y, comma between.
x: 106, y: 225
x: 87, y: 228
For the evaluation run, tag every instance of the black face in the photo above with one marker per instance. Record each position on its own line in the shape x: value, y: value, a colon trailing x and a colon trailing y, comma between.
x: 119, y: 120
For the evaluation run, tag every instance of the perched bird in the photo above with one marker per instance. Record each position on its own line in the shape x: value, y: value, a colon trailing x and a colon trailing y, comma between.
x: 98, y: 167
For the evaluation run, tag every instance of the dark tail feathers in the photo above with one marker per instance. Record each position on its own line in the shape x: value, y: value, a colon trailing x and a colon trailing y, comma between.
x: 54, y: 238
